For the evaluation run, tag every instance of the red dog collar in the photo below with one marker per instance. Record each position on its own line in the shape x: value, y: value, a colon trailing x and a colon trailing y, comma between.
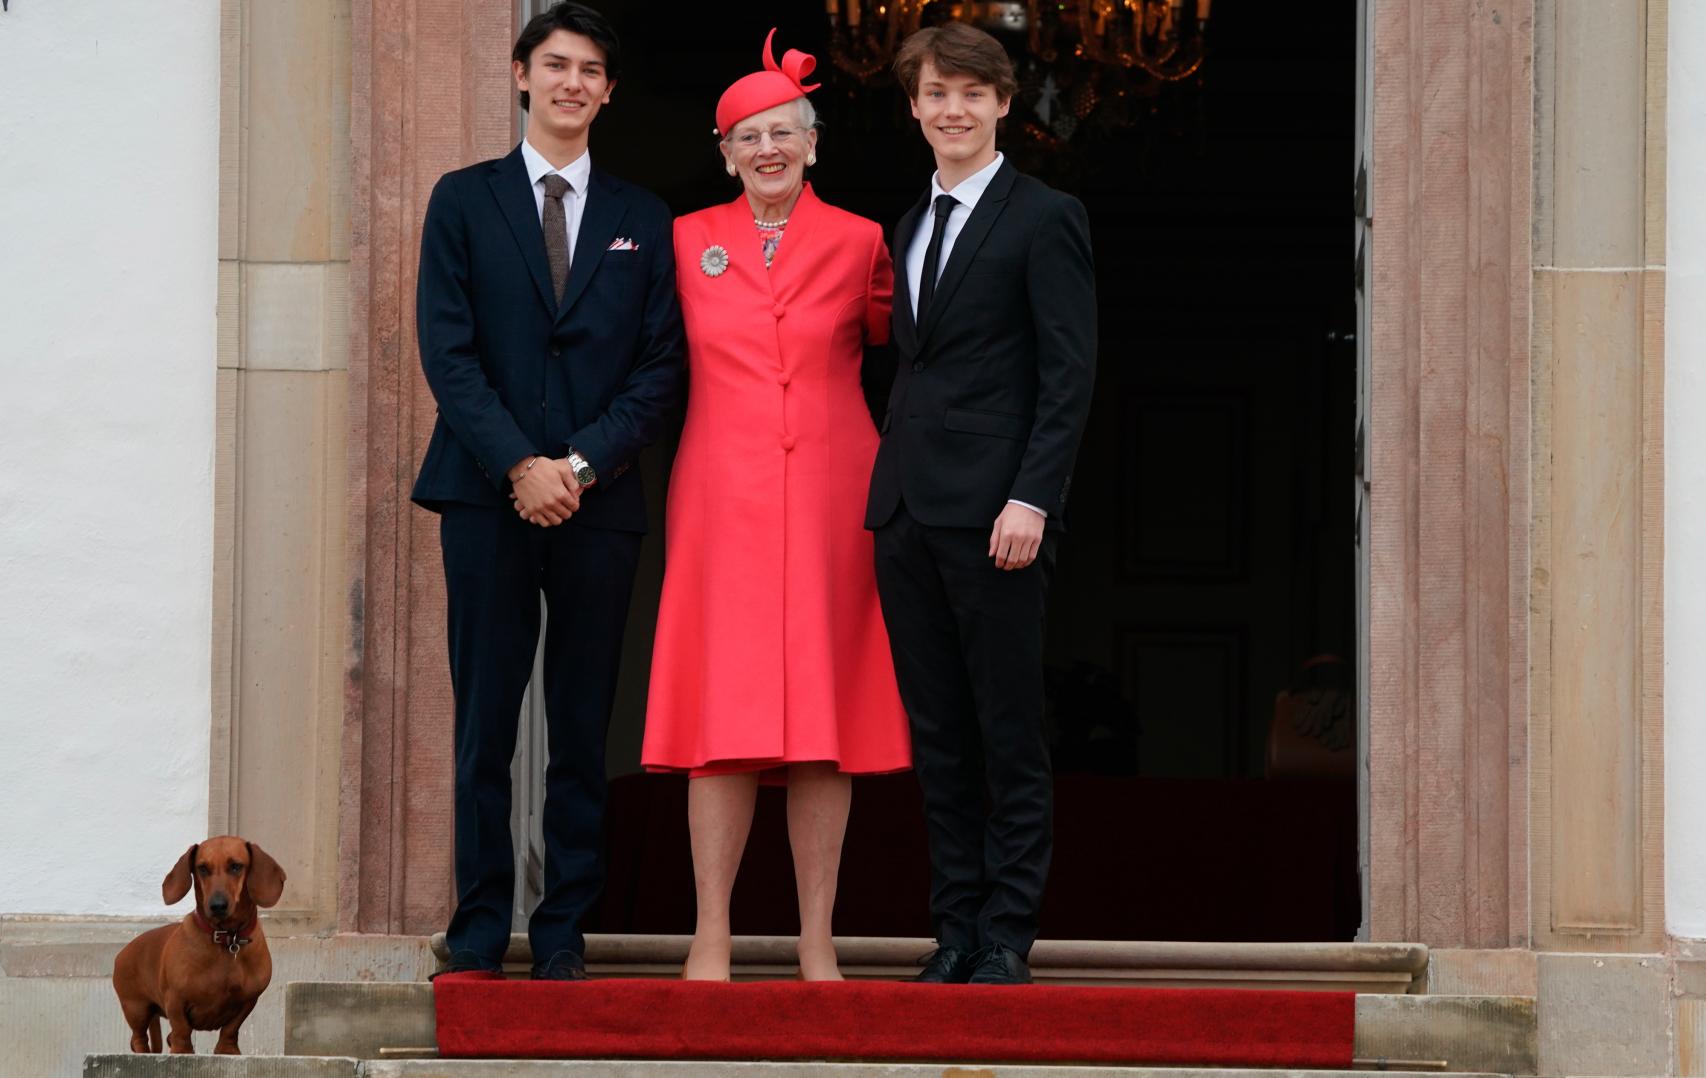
x: 232, y: 939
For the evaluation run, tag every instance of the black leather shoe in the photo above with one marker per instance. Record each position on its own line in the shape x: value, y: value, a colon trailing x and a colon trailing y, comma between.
x: 467, y: 962
x: 996, y: 964
x: 562, y: 966
x: 946, y: 965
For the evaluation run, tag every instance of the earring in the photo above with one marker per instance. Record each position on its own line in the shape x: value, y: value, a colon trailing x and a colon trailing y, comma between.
x: 730, y: 166
x: 811, y: 158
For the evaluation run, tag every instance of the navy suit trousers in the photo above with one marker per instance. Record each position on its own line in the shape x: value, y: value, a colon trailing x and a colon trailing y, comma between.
x: 496, y: 567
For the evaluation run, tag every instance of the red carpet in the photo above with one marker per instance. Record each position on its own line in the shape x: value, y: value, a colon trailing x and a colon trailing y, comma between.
x: 888, y: 1021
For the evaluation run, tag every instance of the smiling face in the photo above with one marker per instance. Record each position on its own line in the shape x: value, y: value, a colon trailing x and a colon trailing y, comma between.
x: 567, y: 81
x: 769, y: 151
x: 958, y: 114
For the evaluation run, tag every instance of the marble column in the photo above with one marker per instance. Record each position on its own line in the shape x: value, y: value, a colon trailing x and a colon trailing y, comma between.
x: 431, y: 92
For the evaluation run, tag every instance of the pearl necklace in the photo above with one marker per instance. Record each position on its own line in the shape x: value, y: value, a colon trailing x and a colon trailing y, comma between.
x: 773, y: 225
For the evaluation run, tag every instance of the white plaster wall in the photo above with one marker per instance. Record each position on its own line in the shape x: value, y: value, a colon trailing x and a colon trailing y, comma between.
x: 1685, y: 478
x: 109, y: 158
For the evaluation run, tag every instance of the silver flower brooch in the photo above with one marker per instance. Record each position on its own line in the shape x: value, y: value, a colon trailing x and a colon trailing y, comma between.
x: 714, y: 261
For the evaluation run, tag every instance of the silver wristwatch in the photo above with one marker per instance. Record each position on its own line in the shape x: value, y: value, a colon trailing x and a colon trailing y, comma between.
x: 584, y: 475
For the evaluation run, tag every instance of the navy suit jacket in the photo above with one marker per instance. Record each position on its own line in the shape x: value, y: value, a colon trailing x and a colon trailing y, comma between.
x: 517, y: 373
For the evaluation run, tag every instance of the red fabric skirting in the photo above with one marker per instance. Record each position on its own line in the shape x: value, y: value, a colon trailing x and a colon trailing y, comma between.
x: 890, y: 1021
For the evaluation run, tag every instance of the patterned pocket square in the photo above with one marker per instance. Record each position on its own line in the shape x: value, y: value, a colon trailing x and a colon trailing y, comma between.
x: 623, y: 243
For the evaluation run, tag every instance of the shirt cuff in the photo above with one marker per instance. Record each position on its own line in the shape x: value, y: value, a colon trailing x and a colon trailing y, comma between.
x: 1042, y: 512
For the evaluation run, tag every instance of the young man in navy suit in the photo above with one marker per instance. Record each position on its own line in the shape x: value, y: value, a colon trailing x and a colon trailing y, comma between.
x: 551, y: 338
x: 995, y: 327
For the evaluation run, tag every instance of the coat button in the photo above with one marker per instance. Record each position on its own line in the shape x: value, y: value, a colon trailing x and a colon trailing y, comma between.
x: 783, y: 378
x: 918, y: 367
x: 787, y: 443
x: 556, y: 351
x: 778, y: 310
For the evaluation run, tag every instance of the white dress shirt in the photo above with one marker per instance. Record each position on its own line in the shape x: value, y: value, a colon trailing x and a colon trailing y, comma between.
x: 578, y: 172
x: 966, y: 193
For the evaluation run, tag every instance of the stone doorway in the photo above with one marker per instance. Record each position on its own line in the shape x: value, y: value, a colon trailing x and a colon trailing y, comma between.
x: 1448, y: 785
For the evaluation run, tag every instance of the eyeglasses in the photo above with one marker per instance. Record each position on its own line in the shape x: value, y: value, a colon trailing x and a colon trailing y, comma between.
x: 779, y: 136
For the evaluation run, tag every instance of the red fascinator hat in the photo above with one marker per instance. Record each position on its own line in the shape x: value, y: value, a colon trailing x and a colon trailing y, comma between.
x: 765, y: 89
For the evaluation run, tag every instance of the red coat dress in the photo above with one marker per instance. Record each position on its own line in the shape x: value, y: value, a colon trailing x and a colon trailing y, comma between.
x: 770, y: 642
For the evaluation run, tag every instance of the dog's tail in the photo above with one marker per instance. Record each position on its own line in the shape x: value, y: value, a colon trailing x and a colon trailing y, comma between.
x: 154, y: 1044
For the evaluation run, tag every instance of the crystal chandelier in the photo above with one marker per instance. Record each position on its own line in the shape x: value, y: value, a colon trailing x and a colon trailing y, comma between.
x: 1081, y: 63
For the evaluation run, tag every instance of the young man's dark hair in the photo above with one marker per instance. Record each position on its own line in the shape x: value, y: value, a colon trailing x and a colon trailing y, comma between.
x: 576, y: 19
x: 956, y: 49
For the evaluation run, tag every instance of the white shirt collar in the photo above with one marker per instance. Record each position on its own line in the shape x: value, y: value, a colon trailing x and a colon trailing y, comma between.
x: 970, y: 189
x: 577, y: 172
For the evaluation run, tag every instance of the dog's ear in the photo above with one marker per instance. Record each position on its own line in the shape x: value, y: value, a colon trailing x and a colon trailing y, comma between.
x: 177, y: 882
x: 265, y: 880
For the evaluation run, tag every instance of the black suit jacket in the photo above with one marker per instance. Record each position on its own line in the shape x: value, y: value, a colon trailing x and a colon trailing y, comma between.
x: 992, y: 392
x: 517, y: 373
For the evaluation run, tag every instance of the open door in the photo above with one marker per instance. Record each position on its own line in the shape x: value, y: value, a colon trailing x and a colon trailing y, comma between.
x: 527, y: 791
x: 527, y: 771
x: 1364, y: 341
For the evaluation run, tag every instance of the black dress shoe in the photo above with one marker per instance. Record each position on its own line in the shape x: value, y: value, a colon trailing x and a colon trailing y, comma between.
x: 946, y: 965
x: 467, y: 962
x: 996, y: 964
x: 562, y: 966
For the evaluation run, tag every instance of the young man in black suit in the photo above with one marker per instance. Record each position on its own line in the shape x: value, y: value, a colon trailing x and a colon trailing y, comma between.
x: 551, y: 338
x: 995, y: 327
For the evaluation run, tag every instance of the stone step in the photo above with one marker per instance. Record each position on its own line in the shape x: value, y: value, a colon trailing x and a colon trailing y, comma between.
x: 111, y: 1066
x: 169, y: 1066
x: 1339, y: 967
x: 1438, y: 1033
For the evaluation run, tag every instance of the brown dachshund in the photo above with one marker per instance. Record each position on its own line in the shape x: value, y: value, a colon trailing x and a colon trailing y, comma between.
x: 208, y: 970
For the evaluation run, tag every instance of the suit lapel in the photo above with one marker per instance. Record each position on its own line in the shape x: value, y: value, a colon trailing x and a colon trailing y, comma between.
x: 904, y: 320
x: 514, y: 194
x: 971, y: 237
x: 600, y: 218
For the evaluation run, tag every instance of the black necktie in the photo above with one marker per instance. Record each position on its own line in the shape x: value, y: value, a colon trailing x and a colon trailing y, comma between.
x: 933, y: 254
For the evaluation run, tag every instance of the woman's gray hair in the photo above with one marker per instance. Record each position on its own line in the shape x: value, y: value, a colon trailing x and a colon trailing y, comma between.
x: 808, y: 119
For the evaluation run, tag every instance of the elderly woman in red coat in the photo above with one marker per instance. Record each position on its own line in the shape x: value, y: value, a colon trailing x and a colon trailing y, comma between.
x: 771, y: 658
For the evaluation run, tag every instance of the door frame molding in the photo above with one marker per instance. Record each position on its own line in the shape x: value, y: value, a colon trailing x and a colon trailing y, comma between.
x: 1460, y: 335
x: 1448, y: 470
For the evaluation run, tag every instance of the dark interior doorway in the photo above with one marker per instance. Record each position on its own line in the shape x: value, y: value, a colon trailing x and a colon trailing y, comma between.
x: 1209, y: 565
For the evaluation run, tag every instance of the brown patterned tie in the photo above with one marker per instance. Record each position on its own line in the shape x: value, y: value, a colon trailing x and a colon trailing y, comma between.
x: 556, y: 225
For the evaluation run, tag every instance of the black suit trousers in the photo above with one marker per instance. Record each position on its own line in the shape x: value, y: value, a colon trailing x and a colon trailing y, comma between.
x: 967, y: 639
x: 496, y: 566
